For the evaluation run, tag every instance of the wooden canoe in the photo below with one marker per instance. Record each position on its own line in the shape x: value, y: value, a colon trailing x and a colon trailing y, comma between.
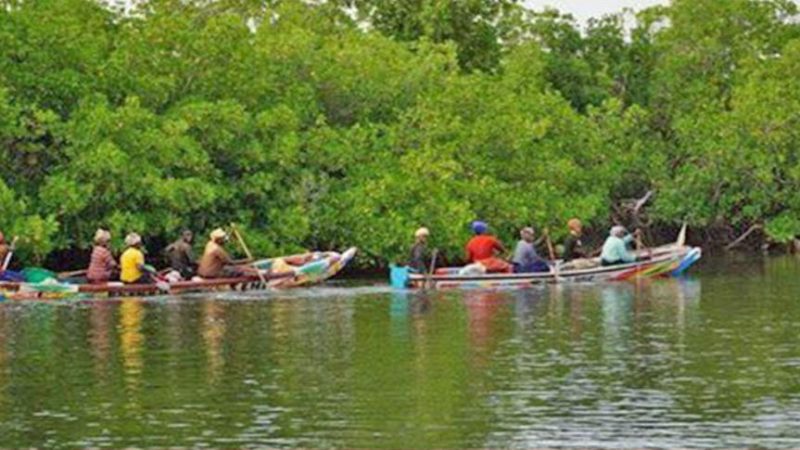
x: 673, y: 259
x: 325, y: 266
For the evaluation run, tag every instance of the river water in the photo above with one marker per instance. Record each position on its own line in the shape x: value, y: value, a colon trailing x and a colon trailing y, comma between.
x: 708, y: 361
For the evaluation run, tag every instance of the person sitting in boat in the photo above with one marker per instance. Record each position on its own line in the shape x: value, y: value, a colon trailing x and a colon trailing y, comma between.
x: 573, y: 245
x: 215, y: 262
x: 102, y: 266
x: 615, y: 249
x: 526, y: 259
x: 132, y: 267
x: 419, y: 252
x: 180, y: 255
x: 484, y: 248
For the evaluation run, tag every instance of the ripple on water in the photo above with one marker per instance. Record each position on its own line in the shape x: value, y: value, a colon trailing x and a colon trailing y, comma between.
x: 665, y: 364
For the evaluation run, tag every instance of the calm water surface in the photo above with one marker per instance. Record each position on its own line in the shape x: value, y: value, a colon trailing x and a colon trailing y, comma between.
x: 708, y: 361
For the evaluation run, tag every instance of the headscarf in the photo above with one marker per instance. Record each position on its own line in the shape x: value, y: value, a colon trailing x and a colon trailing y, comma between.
x: 479, y: 227
x: 618, y: 230
x: 133, y: 239
x: 102, y: 236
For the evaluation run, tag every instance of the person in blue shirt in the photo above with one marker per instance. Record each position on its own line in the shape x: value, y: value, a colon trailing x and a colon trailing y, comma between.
x: 526, y: 260
x: 615, y: 249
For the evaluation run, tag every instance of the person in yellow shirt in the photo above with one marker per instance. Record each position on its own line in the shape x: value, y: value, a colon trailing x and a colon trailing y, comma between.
x: 131, y: 262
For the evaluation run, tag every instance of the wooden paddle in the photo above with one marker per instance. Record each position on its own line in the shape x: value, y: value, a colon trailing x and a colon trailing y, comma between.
x: 428, y: 280
x: 243, y: 244
x: 640, y: 245
x: 550, y: 248
x: 72, y: 274
x: 10, y: 253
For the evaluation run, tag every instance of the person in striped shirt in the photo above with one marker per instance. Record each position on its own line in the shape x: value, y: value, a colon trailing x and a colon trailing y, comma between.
x: 102, y: 266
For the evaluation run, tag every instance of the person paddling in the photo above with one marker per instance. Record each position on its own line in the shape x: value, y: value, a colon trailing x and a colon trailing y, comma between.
x: 101, y: 265
x: 615, y: 249
x: 180, y: 255
x: 526, y: 259
x: 215, y: 262
x: 573, y: 245
x: 134, y: 270
x: 485, y: 249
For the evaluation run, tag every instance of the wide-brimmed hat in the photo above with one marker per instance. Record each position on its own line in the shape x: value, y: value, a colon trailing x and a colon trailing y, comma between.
x: 422, y: 232
x: 218, y: 234
x: 133, y: 239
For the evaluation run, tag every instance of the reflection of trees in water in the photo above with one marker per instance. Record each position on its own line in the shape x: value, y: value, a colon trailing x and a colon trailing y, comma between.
x: 423, y: 375
x: 584, y: 347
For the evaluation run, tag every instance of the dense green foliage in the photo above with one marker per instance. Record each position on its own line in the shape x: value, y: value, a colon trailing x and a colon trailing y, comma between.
x: 352, y: 122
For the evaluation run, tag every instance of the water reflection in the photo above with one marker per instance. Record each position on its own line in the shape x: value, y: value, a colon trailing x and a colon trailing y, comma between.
x: 131, y: 314
x: 100, y: 336
x: 652, y: 364
x: 213, y: 335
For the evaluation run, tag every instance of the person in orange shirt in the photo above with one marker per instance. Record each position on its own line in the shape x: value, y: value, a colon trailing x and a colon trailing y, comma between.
x: 485, y: 249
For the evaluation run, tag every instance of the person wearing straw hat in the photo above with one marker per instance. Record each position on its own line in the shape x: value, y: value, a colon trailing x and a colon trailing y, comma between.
x: 133, y: 269
x: 216, y: 262
x: 101, y: 265
x: 420, y: 256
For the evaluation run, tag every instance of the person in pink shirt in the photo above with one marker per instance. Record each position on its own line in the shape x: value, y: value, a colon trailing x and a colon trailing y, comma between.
x: 102, y: 264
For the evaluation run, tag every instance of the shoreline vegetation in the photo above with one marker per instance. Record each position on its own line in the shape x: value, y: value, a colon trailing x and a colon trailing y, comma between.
x: 354, y: 122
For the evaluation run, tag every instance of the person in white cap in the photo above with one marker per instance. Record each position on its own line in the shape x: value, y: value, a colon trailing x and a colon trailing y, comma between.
x: 132, y: 268
x: 216, y: 263
x: 419, y: 251
x: 615, y: 249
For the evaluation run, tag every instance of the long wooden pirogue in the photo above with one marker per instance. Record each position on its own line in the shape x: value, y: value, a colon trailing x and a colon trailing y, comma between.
x: 673, y: 259
x: 325, y: 266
